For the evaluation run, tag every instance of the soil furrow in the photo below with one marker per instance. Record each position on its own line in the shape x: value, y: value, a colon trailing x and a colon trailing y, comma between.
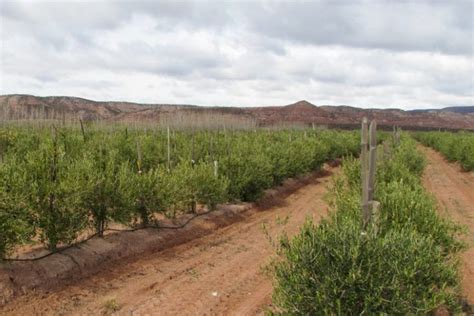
x: 454, y: 191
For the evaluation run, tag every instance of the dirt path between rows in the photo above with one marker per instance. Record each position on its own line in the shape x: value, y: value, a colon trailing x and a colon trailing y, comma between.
x: 222, y: 273
x: 454, y: 190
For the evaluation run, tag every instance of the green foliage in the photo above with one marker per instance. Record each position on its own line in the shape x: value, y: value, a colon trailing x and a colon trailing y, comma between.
x: 407, y: 266
x: 100, y: 183
x: 454, y: 146
x: 411, y: 207
x: 249, y: 174
x: 411, y: 158
x: 48, y: 188
x: 333, y: 269
x: 207, y: 188
x: 140, y: 192
x: 187, y: 185
x: 15, y: 221
x: 55, y: 182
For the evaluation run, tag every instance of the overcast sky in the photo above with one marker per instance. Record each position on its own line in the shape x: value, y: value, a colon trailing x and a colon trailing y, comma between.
x: 406, y: 54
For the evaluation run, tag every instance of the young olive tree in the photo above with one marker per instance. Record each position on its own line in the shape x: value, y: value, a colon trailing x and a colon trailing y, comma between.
x: 16, y: 225
x: 100, y: 184
x: 140, y: 192
x: 186, y: 185
x: 51, y: 194
x: 209, y: 189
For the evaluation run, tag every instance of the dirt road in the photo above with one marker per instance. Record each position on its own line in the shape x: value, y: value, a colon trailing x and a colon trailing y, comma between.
x: 454, y: 190
x: 222, y: 273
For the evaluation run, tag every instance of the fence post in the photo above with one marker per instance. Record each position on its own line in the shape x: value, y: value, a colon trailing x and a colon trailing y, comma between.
x: 364, y: 172
x: 368, y: 158
x: 216, y: 168
x: 372, y: 158
x: 374, y: 207
x: 139, y: 157
x: 168, y: 146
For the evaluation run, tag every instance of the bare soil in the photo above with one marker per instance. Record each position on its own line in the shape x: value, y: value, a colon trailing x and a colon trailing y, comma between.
x: 220, y: 272
x: 454, y: 190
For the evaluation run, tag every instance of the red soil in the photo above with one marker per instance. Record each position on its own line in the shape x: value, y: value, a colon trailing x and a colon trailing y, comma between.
x: 454, y: 190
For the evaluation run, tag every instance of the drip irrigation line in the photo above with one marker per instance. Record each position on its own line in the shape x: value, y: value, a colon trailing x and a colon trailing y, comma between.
x: 95, y: 234
x: 179, y: 226
x: 50, y: 253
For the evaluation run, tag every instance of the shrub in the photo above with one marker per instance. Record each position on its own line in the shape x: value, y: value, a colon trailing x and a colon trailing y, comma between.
x: 100, y: 188
x: 407, y: 266
x: 140, y: 192
x: 52, y: 199
x: 209, y: 189
x: 15, y: 221
x: 333, y: 269
x: 454, y: 146
x: 248, y: 175
x: 406, y: 207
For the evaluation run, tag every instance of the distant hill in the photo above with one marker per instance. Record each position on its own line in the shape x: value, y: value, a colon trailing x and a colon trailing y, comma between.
x: 453, y: 109
x: 28, y: 107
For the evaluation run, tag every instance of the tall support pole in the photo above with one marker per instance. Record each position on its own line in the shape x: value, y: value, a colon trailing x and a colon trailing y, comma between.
x: 372, y: 158
x: 139, y: 157
x: 168, y: 145
x: 364, y: 172
x: 193, y: 157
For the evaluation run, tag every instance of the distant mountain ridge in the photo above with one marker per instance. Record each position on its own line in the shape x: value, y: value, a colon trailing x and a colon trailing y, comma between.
x: 28, y: 107
x: 453, y: 109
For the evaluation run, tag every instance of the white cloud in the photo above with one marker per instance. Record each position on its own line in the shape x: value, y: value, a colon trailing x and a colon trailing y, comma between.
x: 408, y: 55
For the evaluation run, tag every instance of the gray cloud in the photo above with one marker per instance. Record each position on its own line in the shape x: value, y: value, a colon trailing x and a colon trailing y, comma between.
x: 366, y: 53
x: 438, y: 26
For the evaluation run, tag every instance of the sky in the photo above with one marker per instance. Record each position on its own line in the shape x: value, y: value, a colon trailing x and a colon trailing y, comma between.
x: 384, y: 54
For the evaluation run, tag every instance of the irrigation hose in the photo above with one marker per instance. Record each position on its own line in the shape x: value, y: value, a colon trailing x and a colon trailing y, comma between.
x: 107, y: 229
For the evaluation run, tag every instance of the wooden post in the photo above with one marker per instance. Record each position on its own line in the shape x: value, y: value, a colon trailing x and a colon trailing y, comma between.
x: 364, y: 172
x: 372, y: 158
x: 139, y: 157
x: 374, y: 207
x: 193, y: 161
x: 370, y: 208
x: 215, y: 169
x: 169, y: 154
